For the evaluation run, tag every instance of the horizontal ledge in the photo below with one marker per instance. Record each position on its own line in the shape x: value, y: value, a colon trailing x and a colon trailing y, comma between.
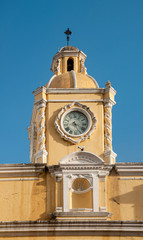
x: 72, y: 228
x: 81, y: 214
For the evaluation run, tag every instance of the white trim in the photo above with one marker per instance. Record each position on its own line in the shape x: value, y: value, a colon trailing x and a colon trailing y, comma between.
x: 95, y: 193
x: 81, y: 157
x: 130, y: 178
x: 111, y: 89
x: 65, y: 193
x: 50, y: 81
x: 75, y: 90
x: 129, y: 169
x: 74, y: 79
x: 110, y: 154
x: 18, y: 179
x: 93, y: 80
x: 75, y: 227
x: 39, y: 90
x: 21, y: 170
x: 41, y: 154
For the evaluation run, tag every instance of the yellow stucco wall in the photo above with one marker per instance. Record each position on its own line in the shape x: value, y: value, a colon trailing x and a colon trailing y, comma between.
x: 36, y: 199
x: 94, y: 144
x: 75, y: 237
x: 23, y: 199
x: 124, y: 198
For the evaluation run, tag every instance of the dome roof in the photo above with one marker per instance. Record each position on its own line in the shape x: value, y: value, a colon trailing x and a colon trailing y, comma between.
x: 69, y: 48
x: 72, y: 80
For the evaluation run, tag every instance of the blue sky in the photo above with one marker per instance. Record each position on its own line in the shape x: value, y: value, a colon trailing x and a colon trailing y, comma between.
x: 109, y: 32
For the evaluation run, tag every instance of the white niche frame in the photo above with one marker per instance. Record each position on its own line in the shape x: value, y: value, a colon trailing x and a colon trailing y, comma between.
x: 78, y: 107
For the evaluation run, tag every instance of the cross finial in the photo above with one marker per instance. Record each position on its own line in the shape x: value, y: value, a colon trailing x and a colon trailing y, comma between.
x: 68, y: 32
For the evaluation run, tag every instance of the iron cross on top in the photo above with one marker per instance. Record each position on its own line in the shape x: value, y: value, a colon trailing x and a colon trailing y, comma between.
x: 68, y: 32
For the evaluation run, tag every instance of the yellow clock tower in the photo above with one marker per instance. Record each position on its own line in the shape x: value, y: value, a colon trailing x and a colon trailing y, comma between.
x: 71, y: 132
x: 73, y: 188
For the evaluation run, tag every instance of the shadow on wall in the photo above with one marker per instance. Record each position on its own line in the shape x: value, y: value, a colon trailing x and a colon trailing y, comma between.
x: 38, y: 208
x: 130, y: 203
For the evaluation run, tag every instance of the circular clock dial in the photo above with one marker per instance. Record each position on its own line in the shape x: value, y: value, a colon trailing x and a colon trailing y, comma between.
x: 75, y: 123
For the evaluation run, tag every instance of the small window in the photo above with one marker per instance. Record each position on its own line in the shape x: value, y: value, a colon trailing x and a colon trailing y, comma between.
x: 70, y: 64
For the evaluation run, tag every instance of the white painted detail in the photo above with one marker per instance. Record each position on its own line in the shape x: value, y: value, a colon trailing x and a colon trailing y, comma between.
x: 74, y: 79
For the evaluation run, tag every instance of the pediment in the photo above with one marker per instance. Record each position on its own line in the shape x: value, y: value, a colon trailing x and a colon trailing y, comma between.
x: 81, y: 157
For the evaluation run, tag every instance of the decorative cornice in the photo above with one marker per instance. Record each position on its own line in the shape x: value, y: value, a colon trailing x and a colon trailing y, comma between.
x: 81, y: 157
x: 40, y: 103
x: 111, y: 89
x: 82, y: 214
x: 109, y: 101
x: 39, y: 90
x: 21, y: 170
x: 129, y: 169
x: 75, y: 90
x: 71, y: 228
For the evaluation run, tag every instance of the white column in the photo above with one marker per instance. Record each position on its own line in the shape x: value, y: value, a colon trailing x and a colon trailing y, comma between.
x: 65, y: 193
x: 95, y: 193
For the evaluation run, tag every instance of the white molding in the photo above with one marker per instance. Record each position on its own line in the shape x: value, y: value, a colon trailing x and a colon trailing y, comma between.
x: 76, y: 100
x: 65, y: 135
x: 95, y: 82
x: 65, y: 193
x: 39, y: 90
x: 50, y: 81
x: 81, y: 158
x: 111, y: 89
x: 76, y: 227
x: 21, y: 170
x: 18, y: 179
x: 41, y: 103
x: 110, y: 154
x: 95, y: 193
x: 41, y: 153
x: 130, y: 178
x: 109, y: 101
x: 129, y: 169
x: 75, y: 90
x: 74, y: 79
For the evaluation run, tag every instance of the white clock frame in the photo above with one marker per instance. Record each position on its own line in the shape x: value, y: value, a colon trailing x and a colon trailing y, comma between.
x: 75, y: 106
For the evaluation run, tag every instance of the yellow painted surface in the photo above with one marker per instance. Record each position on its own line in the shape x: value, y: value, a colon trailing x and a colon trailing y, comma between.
x: 74, y: 238
x: 125, y: 198
x: 66, y: 80
x: 36, y: 199
x: 78, y: 96
x: 83, y: 200
x: 94, y: 144
x: 23, y: 200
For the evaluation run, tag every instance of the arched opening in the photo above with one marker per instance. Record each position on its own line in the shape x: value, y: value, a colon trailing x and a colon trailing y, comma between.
x: 81, y: 195
x: 70, y: 64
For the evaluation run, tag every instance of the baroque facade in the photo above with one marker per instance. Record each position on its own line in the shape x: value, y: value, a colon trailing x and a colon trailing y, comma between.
x: 73, y: 187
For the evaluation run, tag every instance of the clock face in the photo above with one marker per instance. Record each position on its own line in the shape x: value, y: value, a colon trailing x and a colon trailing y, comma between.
x: 75, y: 123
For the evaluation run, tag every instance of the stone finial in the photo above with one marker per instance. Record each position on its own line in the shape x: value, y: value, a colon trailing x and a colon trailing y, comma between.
x: 108, y: 84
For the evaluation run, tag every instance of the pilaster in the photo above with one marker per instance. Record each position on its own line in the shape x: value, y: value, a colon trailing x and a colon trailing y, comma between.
x: 41, y: 155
